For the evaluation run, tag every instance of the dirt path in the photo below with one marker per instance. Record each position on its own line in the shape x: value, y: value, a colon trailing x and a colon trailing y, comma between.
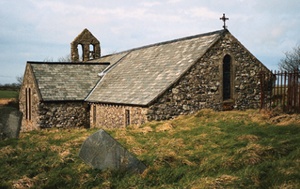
x: 5, y: 101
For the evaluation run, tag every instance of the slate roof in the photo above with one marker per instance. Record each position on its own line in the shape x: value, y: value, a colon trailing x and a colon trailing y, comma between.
x: 66, y: 81
x: 140, y: 75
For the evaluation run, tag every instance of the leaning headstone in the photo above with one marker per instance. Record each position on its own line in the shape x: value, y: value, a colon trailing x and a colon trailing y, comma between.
x: 14, y: 124
x: 101, y: 151
x: 11, y: 120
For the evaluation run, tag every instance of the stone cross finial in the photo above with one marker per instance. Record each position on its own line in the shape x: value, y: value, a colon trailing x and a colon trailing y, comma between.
x: 224, y: 20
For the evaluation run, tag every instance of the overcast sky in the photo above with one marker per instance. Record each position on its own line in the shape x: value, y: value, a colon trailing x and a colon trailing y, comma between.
x: 38, y: 30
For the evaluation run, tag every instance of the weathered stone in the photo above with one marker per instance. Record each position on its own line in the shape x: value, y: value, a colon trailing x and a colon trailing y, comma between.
x: 101, y: 151
x: 66, y: 115
x: 214, y: 89
x: 14, y: 124
x: 185, y: 107
x: 113, y: 116
x: 175, y: 91
x: 10, y: 124
x: 242, y: 86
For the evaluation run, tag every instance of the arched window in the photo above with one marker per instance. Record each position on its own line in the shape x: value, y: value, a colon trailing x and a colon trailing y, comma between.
x: 91, y: 52
x: 80, y: 52
x: 227, y: 77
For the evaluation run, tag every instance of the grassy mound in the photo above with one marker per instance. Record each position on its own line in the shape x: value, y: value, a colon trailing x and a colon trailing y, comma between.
x: 210, y: 149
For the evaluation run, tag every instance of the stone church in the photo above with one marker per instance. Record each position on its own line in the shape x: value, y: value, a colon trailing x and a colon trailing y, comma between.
x: 154, y: 82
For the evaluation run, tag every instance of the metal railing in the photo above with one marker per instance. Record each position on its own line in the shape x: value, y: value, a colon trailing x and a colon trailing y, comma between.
x: 280, y: 90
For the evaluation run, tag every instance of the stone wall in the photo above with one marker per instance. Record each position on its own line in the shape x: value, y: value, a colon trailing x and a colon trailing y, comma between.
x: 63, y: 114
x: 29, y: 123
x: 114, y: 116
x: 202, y: 86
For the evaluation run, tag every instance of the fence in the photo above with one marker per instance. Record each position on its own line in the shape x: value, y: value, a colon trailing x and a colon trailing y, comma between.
x: 281, y: 90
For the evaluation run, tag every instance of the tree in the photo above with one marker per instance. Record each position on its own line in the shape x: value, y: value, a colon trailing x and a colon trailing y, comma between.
x: 291, y: 62
x: 66, y: 58
x: 19, y: 80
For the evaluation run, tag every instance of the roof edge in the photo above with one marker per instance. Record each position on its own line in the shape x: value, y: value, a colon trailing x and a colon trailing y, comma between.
x: 117, y: 104
x: 57, y: 101
x: 69, y: 63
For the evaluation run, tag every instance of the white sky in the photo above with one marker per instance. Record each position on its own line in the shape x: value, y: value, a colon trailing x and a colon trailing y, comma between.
x: 37, y: 30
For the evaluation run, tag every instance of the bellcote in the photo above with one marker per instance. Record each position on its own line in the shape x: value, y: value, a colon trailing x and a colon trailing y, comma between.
x: 89, y: 45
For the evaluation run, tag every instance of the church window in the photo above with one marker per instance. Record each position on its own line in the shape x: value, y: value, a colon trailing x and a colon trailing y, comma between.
x: 28, y: 103
x: 94, y: 114
x: 127, y: 117
x: 227, y: 77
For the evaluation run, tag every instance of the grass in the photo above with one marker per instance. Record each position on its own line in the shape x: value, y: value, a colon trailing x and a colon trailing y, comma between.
x: 8, y: 94
x: 205, y: 150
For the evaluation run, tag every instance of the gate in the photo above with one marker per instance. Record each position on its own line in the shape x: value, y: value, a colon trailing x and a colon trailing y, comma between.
x: 280, y: 90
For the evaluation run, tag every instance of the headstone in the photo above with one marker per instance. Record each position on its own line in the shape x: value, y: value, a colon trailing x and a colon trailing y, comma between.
x: 14, y: 124
x: 11, y: 120
x: 101, y: 151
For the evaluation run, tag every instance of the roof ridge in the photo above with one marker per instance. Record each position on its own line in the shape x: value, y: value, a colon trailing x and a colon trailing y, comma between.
x: 179, y: 39
x: 169, y: 41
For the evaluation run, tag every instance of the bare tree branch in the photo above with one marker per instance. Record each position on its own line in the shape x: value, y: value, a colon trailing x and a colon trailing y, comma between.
x: 291, y: 62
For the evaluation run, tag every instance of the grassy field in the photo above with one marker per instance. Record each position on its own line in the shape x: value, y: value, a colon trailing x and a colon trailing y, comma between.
x: 8, y: 94
x: 207, y: 150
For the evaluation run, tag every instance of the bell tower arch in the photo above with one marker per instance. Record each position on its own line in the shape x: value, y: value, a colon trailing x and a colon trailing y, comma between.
x: 89, y: 47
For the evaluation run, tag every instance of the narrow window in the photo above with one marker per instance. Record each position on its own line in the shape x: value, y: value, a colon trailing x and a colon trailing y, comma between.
x: 80, y: 52
x: 94, y: 114
x: 226, y: 77
x: 91, y: 52
x: 28, y: 103
x: 29, y: 96
x: 127, y: 117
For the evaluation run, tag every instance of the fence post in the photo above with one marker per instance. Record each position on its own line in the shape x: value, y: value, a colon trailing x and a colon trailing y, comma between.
x: 285, y: 92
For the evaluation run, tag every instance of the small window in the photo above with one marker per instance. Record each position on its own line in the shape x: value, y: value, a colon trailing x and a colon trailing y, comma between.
x: 127, y: 117
x: 91, y: 52
x: 80, y: 52
x: 94, y: 114
x: 28, y: 103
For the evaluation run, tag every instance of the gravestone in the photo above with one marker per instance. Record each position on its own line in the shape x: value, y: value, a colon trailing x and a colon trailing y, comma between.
x: 101, y: 151
x: 10, y: 122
